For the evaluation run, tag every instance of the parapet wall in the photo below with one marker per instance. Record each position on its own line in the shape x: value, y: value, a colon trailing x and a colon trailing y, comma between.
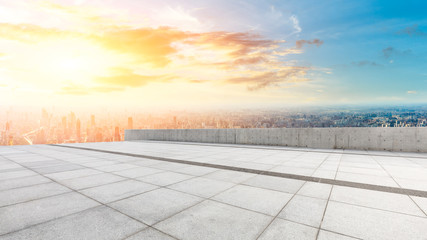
x: 382, y: 139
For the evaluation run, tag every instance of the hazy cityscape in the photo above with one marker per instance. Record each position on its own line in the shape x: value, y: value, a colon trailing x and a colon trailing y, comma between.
x: 44, y: 126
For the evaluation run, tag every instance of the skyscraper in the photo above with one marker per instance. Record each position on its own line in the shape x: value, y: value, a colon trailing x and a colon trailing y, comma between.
x: 130, y: 123
x: 116, y: 134
x: 64, y: 123
x: 78, y: 126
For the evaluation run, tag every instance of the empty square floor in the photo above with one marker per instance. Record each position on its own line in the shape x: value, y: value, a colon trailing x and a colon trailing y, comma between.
x: 170, y: 190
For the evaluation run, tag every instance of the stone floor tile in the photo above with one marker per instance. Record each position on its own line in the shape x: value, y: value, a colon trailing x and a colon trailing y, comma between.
x: 317, y: 190
x: 286, y: 230
x: 115, y: 167
x: 72, y: 174
x: 156, y: 205
x: 91, y: 181
x: 171, y: 166
x: 421, y: 202
x: 16, y: 174
x: 19, y: 216
x: 151, y: 234
x: 368, y: 223
x: 119, y: 190
x: 229, y: 176
x: 368, y: 179
x: 256, y: 199
x: 200, y: 186
x: 213, y: 220
x: 29, y: 193
x: 57, y: 168
x: 326, y: 235
x: 196, y: 170
x: 96, y: 223
x: 165, y: 178
x: 374, y: 199
x: 305, y: 210
x: 138, y: 172
x: 22, y: 182
x: 275, y: 183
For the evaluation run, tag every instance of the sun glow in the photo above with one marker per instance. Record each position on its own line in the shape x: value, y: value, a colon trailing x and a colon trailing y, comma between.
x: 73, y: 60
x: 75, y: 57
x: 71, y: 64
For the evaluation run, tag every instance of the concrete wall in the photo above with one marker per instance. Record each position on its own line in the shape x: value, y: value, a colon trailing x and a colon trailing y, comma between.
x: 389, y: 139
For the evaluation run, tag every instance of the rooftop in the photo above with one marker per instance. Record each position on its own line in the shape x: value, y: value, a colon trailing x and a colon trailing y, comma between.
x: 171, y: 190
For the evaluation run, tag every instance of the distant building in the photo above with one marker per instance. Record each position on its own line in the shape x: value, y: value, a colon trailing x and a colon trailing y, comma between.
x: 92, y: 121
x: 78, y: 130
x: 45, y: 118
x: 64, y: 124
x: 117, y: 134
x: 130, y: 123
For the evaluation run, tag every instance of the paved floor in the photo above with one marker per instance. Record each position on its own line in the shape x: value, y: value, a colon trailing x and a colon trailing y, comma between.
x: 53, y: 192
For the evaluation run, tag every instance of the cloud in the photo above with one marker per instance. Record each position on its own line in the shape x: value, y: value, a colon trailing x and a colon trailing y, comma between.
x: 29, y: 33
x: 411, y: 92
x: 413, y: 31
x: 295, y: 23
x: 249, y: 60
x: 259, y: 80
x: 83, y: 15
x: 127, y: 78
x: 237, y: 43
x: 197, y: 81
x: 387, y: 52
x: 390, y: 52
x: 152, y: 45
x: 366, y: 63
x: 163, y: 54
x: 301, y: 43
x: 83, y: 90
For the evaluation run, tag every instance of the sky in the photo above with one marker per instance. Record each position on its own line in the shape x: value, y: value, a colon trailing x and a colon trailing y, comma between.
x: 212, y: 53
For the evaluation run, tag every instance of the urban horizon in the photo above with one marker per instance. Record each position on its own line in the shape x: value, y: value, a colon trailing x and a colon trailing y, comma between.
x: 46, y: 126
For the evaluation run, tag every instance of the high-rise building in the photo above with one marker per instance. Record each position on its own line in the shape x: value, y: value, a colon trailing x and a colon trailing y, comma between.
x: 98, y: 135
x: 72, y: 120
x: 64, y: 123
x: 117, y: 134
x: 92, y: 121
x: 130, y: 123
x: 78, y: 134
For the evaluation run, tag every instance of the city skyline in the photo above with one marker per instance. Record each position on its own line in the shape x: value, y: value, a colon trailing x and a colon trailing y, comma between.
x: 48, y: 126
x: 210, y: 54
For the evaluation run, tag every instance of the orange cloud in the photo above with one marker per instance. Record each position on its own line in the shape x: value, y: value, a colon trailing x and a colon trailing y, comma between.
x: 239, y: 43
x: 127, y: 78
x: 147, y: 44
x: 228, y: 53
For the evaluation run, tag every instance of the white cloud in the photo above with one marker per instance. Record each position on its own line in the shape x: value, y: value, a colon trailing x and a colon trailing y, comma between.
x: 411, y: 92
x: 295, y: 23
